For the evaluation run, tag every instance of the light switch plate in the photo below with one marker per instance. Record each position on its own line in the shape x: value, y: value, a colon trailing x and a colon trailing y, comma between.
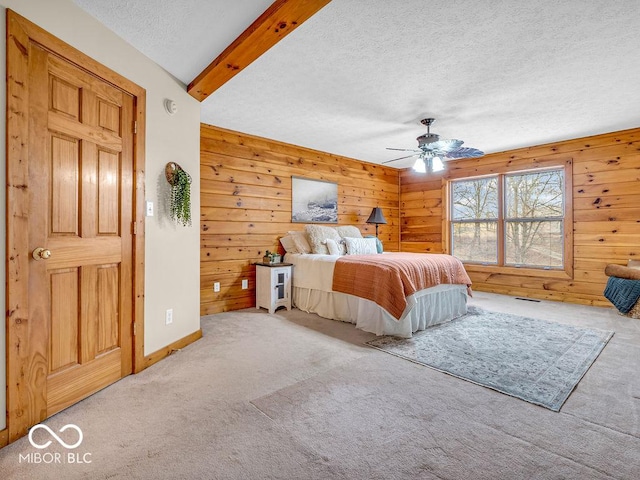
x: 149, y: 209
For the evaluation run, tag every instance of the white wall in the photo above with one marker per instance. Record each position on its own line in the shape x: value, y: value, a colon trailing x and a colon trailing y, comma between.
x: 172, y: 253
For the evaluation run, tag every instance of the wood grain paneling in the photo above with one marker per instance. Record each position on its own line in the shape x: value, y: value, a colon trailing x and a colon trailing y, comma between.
x: 108, y: 192
x: 63, y: 348
x: 65, y: 171
x: 65, y: 98
x: 246, y: 206
x: 108, y: 335
x: 109, y: 116
x: 606, y: 213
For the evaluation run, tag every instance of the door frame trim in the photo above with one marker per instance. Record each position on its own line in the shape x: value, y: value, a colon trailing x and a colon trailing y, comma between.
x: 25, y: 384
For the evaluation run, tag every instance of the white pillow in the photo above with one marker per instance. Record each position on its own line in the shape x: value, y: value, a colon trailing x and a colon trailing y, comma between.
x: 349, y: 231
x: 361, y: 246
x: 300, y: 241
x: 334, y: 247
x: 317, y: 235
x: 288, y: 244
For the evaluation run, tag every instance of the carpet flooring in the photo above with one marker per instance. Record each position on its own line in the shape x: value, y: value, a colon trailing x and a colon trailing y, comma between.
x: 534, y: 360
x: 294, y: 396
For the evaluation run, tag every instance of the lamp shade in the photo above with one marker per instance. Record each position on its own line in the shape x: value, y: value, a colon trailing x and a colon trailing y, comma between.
x: 376, y: 217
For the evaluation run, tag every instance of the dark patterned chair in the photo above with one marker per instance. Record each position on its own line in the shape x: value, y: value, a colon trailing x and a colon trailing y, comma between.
x: 631, y: 272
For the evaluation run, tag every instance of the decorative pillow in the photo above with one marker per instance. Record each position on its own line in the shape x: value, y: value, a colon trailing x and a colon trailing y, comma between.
x: 300, y: 241
x: 288, y: 244
x: 349, y: 231
x: 633, y: 263
x: 317, y: 234
x: 335, y: 248
x: 379, y: 246
x: 361, y: 246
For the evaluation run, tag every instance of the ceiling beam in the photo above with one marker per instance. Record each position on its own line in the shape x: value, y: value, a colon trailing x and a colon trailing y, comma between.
x: 280, y: 19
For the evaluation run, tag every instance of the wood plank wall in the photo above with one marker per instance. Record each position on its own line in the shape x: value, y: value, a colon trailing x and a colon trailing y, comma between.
x: 606, y: 212
x: 246, y: 205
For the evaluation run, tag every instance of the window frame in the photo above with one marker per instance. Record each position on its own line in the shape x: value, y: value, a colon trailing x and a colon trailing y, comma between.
x: 564, y: 272
x: 496, y: 219
x: 506, y: 220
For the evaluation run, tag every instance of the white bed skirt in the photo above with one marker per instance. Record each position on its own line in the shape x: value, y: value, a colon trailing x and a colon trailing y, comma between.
x: 424, y: 309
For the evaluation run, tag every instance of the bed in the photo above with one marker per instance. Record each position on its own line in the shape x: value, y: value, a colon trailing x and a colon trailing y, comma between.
x: 316, y: 291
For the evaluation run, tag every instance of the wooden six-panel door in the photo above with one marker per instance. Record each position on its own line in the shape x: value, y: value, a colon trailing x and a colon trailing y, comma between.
x: 80, y: 179
x: 75, y: 235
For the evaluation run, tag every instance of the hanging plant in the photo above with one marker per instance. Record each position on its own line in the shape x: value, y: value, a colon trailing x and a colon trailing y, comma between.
x: 180, y: 182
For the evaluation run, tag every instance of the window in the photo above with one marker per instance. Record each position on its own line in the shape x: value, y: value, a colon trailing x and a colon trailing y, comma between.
x: 474, y: 224
x: 534, y: 211
x: 511, y: 219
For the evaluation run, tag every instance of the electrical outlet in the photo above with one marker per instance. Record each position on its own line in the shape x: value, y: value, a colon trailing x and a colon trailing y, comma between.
x: 168, y: 317
x: 245, y: 283
x: 216, y: 286
x: 149, y: 209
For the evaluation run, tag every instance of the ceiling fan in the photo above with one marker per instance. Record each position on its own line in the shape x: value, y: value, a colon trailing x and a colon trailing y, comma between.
x: 432, y: 151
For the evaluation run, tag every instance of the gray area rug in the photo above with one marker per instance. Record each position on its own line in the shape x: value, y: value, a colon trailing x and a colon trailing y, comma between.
x: 537, y: 361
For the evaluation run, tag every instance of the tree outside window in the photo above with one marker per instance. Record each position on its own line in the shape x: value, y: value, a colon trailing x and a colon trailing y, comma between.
x: 475, y: 220
x: 534, y: 211
x: 510, y: 219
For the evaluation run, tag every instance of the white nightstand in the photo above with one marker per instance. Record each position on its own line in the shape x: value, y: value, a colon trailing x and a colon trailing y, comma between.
x: 273, y: 285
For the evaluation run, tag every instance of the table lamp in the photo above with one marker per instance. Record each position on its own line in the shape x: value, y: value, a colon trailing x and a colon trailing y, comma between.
x: 377, y: 217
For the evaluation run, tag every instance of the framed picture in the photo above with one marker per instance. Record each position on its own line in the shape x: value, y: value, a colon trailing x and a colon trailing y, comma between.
x: 313, y: 201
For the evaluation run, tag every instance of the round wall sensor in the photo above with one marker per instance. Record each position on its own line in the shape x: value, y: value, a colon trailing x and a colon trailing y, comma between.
x: 170, y: 106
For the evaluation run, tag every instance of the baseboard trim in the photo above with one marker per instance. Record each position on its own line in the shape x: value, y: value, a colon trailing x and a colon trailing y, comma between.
x: 164, y: 352
x: 149, y: 360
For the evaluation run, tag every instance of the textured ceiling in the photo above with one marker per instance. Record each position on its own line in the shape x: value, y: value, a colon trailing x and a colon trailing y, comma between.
x: 183, y: 36
x: 359, y: 75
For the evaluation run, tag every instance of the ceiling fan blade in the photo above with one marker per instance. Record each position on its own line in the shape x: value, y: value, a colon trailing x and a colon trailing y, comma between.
x: 464, y: 153
x: 443, y: 145
x: 433, y: 149
x: 401, y: 158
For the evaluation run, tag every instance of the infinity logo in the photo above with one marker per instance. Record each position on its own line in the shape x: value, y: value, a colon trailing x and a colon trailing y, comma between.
x: 60, y: 441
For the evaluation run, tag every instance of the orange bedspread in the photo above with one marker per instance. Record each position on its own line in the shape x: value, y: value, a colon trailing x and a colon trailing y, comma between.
x: 390, y: 278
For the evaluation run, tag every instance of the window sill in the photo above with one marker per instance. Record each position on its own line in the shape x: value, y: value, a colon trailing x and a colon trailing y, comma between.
x: 519, y: 271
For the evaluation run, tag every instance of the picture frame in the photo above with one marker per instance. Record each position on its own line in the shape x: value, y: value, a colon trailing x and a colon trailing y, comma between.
x: 313, y: 201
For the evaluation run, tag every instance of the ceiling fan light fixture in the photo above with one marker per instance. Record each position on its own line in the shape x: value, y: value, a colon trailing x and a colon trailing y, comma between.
x: 433, y: 151
x: 420, y: 166
x: 428, y: 164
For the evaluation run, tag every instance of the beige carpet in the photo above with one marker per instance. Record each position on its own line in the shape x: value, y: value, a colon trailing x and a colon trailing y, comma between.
x: 294, y: 396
